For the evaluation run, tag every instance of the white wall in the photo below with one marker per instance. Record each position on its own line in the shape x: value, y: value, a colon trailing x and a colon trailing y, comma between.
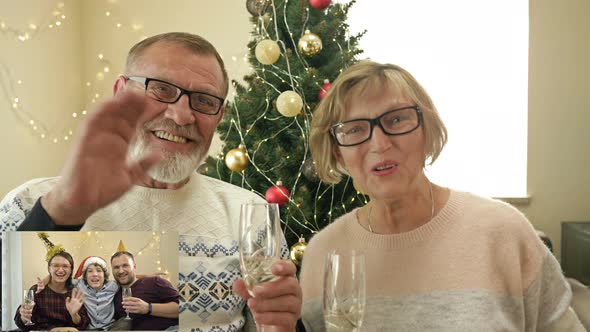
x: 559, y: 115
x: 49, y: 66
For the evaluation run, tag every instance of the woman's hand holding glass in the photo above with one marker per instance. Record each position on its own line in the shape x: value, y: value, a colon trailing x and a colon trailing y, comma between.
x: 344, y: 291
x: 26, y: 310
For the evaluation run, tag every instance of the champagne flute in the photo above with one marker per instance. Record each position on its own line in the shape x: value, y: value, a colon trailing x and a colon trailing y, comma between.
x: 344, y: 294
x: 126, y: 294
x: 260, y: 242
x: 29, y: 303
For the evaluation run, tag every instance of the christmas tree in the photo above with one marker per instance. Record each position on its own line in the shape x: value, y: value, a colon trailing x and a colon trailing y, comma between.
x: 297, y: 47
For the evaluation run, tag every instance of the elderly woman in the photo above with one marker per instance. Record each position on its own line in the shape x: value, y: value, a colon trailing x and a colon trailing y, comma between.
x: 437, y: 259
x: 57, y: 305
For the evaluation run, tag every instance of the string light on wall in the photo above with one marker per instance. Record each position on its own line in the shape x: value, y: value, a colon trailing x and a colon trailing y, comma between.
x: 54, y: 20
x: 103, y: 241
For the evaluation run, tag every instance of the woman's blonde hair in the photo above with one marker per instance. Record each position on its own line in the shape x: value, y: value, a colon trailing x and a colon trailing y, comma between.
x: 365, y: 76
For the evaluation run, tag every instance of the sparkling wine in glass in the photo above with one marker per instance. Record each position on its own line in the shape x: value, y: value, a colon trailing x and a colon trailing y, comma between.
x: 126, y: 294
x: 29, y: 302
x: 344, y: 294
x: 260, y: 243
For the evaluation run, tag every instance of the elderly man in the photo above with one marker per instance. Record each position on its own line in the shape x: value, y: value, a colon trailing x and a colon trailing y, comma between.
x: 132, y: 169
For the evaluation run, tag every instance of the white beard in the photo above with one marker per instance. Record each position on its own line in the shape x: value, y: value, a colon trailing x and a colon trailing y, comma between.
x: 175, y: 167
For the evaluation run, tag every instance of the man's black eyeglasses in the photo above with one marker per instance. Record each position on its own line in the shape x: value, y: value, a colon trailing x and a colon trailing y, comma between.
x: 399, y: 121
x: 169, y: 93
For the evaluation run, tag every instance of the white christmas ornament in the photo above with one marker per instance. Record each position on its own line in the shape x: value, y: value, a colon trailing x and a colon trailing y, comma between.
x: 267, y: 52
x: 289, y: 103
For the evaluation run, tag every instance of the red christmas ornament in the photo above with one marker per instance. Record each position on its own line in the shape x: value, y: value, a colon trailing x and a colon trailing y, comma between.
x: 277, y: 194
x: 320, y: 4
x: 324, y: 90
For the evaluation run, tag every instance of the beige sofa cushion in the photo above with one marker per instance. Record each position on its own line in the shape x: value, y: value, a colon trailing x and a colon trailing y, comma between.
x: 581, y: 301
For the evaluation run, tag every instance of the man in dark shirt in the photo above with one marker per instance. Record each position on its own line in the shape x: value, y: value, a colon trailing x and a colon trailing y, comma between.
x: 153, y: 304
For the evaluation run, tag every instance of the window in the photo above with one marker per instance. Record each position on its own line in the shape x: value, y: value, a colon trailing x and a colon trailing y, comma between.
x: 472, y: 58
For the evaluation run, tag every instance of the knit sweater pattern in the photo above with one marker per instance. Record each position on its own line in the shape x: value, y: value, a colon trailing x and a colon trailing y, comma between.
x: 478, y: 265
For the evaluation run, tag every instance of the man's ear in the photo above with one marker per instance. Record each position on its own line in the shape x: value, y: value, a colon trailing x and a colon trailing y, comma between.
x: 119, y: 85
x: 221, y: 113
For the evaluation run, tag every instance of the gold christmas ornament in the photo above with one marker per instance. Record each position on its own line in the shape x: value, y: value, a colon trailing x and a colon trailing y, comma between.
x: 256, y: 7
x: 203, y: 169
x: 309, y: 44
x: 297, y: 251
x: 267, y: 52
x: 289, y: 103
x: 237, y: 159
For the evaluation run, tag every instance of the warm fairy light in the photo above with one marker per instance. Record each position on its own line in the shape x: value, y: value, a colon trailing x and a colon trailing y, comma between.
x: 34, y: 127
x: 83, y: 112
x: 32, y: 26
x: 88, y: 84
x: 55, y: 140
x: 118, y: 25
x: 32, y: 122
x: 74, y: 115
x: 100, y: 56
x: 19, y: 82
x: 96, y: 95
x: 42, y: 135
x: 66, y: 138
x: 16, y: 99
x: 106, y: 69
x: 108, y: 13
x: 57, y: 23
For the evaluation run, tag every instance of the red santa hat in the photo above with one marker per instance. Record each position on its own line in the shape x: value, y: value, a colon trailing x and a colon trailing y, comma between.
x: 89, y: 261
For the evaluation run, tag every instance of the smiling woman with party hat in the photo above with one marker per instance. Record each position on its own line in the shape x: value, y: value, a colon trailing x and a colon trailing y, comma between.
x: 58, y: 304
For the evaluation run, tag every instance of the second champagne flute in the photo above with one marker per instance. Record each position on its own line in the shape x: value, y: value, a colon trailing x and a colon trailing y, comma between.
x: 260, y: 242
x: 126, y: 294
x: 344, y: 291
